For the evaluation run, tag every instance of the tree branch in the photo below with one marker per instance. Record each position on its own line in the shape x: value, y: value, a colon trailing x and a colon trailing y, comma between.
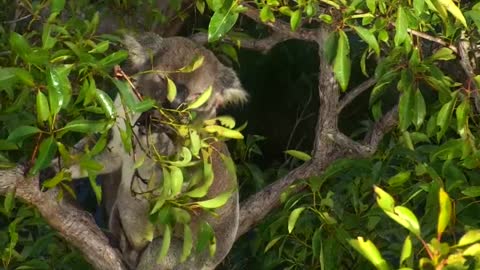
x: 352, y: 94
x: 76, y: 226
x: 264, y: 44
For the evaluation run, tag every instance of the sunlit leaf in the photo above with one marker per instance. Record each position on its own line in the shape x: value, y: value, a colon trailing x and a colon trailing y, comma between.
x: 469, y: 238
x: 171, y: 90
x: 445, y: 212
x: 370, y: 252
x: 295, y: 19
x: 406, y: 250
x: 221, y: 22
x: 454, y: 10
x: 216, y: 202
x: 224, y: 132
x: 43, y: 110
x: 292, y: 219
x: 202, y: 99
x: 177, y: 180
x: 106, y: 103
x: 196, y: 62
x: 298, y: 154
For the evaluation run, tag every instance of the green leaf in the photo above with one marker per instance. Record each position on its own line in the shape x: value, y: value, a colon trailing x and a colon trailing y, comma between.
x: 171, y: 90
x: 445, y: 212
x: 272, y: 243
x: 292, y: 219
x: 20, y: 46
x: 100, y: 47
x: 47, y: 150
x: 202, y: 99
x: 444, y: 116
x: 221, y: 22
x: 224, y: 132
x: 113, y: 59
x: 342, y: 64
x: 187, y: 243
x: 462, y: 113
x: 405, y: 109
x: 369, y: 38
x: 317, y: 243
x: 166, y: 238
x: 406, y: 218
x: 401, y: 26
x: 47, y: 40
x: 384, y: 200
x: 195, y: 142
x: 469, y: 238
x: 106, y: 103
x: 371, y: 5
x: 200, y: 4
x: 443, y: 54
x: 22, y: 132
x: 59, y: 88
x: 406, y: 250
x: 295, y: 19
x: 84, y: 126
x: 9, y: 202
x: 197, y: 62
x: 7, y: 146
x: 420, y: 110
x: 225, y: 120
x: 144, y: 105
x: 43, y: 111
x: 472, y: 191
x: 266, y: 14
x: 399, y: 179
x: 216, y: 202
x: 53, y: 182
x: 454, y: 10
x: 370, y: 252
x: 298, y: 154
x: 205, y: 237
x: 57, y: 6
x: 177, y: 180
x: 330, y: 47
x: 126, y: 93
x: 202, y: 190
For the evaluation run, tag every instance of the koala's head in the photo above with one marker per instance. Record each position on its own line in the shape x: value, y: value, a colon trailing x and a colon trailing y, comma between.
x: 161, y: 57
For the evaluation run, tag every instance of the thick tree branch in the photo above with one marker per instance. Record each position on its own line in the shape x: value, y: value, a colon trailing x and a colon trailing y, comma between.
x: 76, y: 226
x: 463, y: 49
x: 263, y: 45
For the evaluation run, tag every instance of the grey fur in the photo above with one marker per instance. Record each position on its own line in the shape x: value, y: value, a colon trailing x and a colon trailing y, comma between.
x: 166, y: 55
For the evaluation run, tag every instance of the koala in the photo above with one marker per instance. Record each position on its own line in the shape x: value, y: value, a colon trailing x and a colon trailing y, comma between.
x: 137, y: 238
x: 165, y: 56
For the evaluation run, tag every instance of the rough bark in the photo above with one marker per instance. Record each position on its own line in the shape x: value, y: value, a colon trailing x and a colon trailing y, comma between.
x: 77, y: 227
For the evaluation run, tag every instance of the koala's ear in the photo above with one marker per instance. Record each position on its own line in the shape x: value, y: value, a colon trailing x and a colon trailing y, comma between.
x: 233, y: 92
x: 136, y: 52
x: 141, y: 49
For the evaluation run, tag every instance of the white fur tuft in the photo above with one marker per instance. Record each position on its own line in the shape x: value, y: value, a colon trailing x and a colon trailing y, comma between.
x: 235, y: 96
